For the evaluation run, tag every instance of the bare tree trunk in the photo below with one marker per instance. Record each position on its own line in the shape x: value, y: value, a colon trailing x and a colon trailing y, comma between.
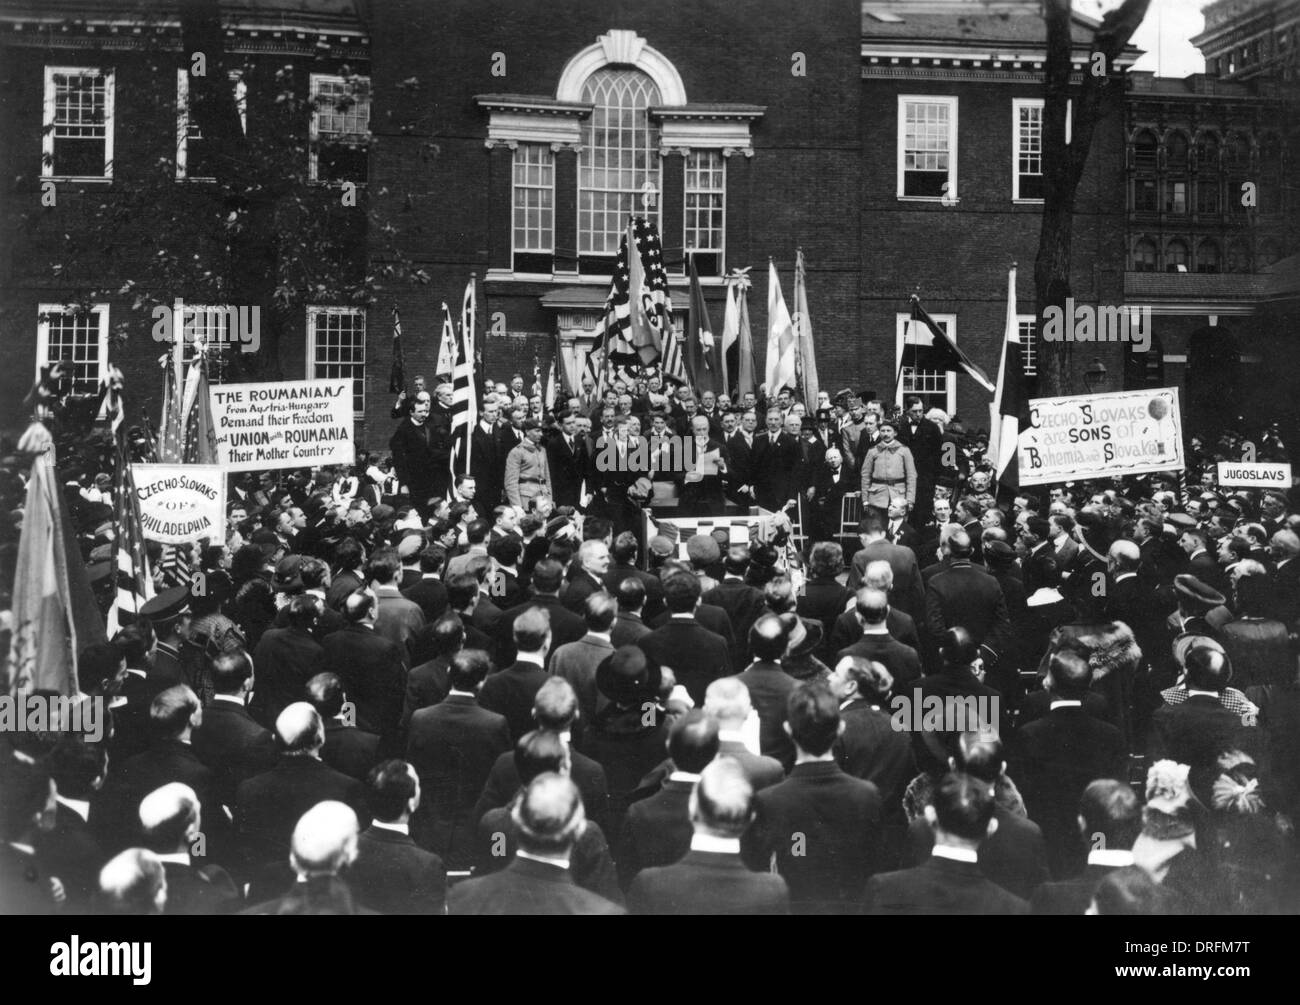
x: 1063, y: 162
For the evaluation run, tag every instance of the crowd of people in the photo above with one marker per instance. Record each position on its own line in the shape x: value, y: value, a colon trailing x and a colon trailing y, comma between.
x: 397, y: 689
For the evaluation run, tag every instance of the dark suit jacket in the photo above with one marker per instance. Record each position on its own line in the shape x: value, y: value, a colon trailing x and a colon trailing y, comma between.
x: 431, y: 595
x: 350, y: 750
x: 565, y: 626
x: 268, y: 806
x: 1015, y: 857
x: 708, y: 616
x: 940, y: 886
x: 568, y: 468
x: 654, y: 589
x: 527, y: 887
x: 574, y: 594
x: 286, y: 659
x: 706, y: 882
x: 452, y: 747
x: 488, y: 466
x: 590, y: 861
x: 503, y: 785
x: 871, y: 749
x: 769, y: 690
x: 1069, y: 896
x: 761, y: 771
x: 902, y: 662
x: 697, y: 656
x: 510, y: 692
x: 838, y: 818
x: 627, y: 629
x: 373, y: 671
x: 69, y: 852
x: 198, y: 890
x: 1196, y: 733
x: 908, y: 592
x: 848, y: 630
x: 392, y: 875
x: 426, y: 684
x: 233, y: 745
x: 971, y: 598
x: 743, y: 605
x: 420, y: 457
x: 657, y: 830
x: 824, y: 599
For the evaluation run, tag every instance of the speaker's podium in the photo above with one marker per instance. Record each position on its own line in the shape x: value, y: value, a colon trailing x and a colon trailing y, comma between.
x: 744, y: 524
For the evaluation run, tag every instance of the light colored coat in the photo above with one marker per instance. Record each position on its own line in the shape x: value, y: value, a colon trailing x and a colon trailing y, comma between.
x: 524, y: 462
x: 888, y: 471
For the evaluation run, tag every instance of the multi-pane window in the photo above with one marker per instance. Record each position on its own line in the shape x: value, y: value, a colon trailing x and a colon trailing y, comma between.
x: 927, y: 147
x: 1176, y: 256
x: 706, y: 190
x: 211, y: 326
x: 618, y: 165
x: 1207, y: 257
x: 1027, y: 173
x: 336, y: 348
x: 534, y: 207
x: 1027, y: 327
x: 77, y: 141
x: 78, y: 341
x: 192, y: 153
x: 1176, y: 197
x: 935, y: 388
x: 1144, y: 195
x: 1144, y: 256
x: 340, y: 128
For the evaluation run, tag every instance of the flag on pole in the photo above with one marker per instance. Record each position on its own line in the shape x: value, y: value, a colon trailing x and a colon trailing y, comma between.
x: 638, y: 310
x: 552, y: 386
x: 1009, y: 413
x: 738, y: 343
x: 200, y: 433
x: 730, y: 339
x: 397, y: 377
x: 805, y: 354
x: 170, y: 436
x: 464, y: 396
x: 780, y: 337
x: 944, y: 354
x: 447, y: 346
x: 702, y: 357
x: 132, y: 582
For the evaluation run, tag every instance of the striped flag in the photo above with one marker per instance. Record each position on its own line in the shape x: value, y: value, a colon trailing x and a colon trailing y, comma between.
x: 170, y: 441
x: 638, y: 310
x: 200, y: 434
x: 447, y: 347
x: 133, y: 584
x: 805, y: 356
x: 464, y: 380
x: 173, y: 567
x: 1009, y: 413
x: 397, y: 376
x: 780, y: 337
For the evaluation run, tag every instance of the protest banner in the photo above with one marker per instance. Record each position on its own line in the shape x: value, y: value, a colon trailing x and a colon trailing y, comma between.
x: 283, y: 424
x: 1234, y: 474
x: 1101, y: 436
x: 180, y: 503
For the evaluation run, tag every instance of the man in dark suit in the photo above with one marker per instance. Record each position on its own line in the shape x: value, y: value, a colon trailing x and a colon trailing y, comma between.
x: 869, y: 747
x: 372, y: 668
x: 950, y: 881
x: 566, y: 626
x: 229, y: 740
x: 1055, y: 758
x: 576, y: 662
x: 588, y: 578
x: 908, y: 593
x: 832, y: 481
x: 776, y: 455
x: 347, y: 749
x: 549, y: 819
x: 1110, y: 818
x: 286, y: 658
x: 170, y: 825
x: 510, y: 691
x: 848, y: 626
x: 323, y: 844
x: 741, y: 601
x: 452, y: 746
x: 706, y: 472
x: 421, y: 448
x: 696, y: 655
x: 1284, y: 549
x: 925, y: 440
x: 742, y: 448
x: 269, y: 806
x: 1200, y: 563
x: 969, y: 597
x: 488, y: 461
x: 391, y: 874
x: 66, y: 847
x: 629, y: 625
x: 727, y: 701
x: 427, y: 682
x: 567, y: 458
x: 428, y: 592
x: 822, y: 824
x: 623, y: 555
x: 657, y: 829
x: 824, y: 597
x: 876, y: 644
x: 770, y: 687
x: 711, y: 878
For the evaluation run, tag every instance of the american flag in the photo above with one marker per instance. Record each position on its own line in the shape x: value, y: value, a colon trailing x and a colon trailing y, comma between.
x: 170, y: 446
x: 174, y: 566
x: 131, y: 576
x: 464, y: 381
x: 200, y: 434
x: 638, y: 310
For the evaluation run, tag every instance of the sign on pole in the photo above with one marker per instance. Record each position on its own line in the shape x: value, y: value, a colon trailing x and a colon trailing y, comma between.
x: 1233, y: 474
x: 283, y: 424
x: 1101, y: 436
x: 180, y: 503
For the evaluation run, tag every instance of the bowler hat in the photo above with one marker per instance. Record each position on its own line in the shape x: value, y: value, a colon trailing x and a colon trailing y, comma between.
x: 1197, y: 595
x: 628, y: 676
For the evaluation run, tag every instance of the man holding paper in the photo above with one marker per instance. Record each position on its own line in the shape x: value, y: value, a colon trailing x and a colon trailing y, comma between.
x: 705, y: 472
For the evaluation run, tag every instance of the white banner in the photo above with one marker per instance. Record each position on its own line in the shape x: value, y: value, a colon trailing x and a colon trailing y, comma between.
x: 180, y: 503
x: 1100, y: 436
x: 1260, y: 475
x: 283, y: 424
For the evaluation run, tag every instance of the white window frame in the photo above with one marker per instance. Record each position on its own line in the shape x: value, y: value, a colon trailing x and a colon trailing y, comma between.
x: 314, y: 82
x: 953, y: 194
x: 687, y: 192
x: 548, y: 165
x: 183, y: 119
x: 315, y: 311
x: 1017, y: 104
x: 1028, y: 350
x: 205, y: 318
x: 901, y: 321
x: 47, y: 119
x: 43, y: 336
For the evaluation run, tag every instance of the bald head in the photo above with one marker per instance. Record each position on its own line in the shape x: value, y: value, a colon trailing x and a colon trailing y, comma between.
x: 1124, y: 556
x: 958, y: 544
x: 879, y: 576
x: 872, y: 606
x: 169, y: 818
x: 300, y: 730
x: 549, y: 816
x: 768, y: 638
x: 133, y: 883
x: 721, y: 804
x: 325, y: 840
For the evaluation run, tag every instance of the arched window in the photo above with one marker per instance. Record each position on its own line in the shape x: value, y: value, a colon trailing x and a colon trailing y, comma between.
x: 1207, y: 152
x: 1144, y: 256
x: 1238, y: 256
x: 1176, y: 152
x: 1176, y: 256
x: 1146, y: 198
x: 1144, y: 150
x: 619, y: 161
x: 1207, y: 257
